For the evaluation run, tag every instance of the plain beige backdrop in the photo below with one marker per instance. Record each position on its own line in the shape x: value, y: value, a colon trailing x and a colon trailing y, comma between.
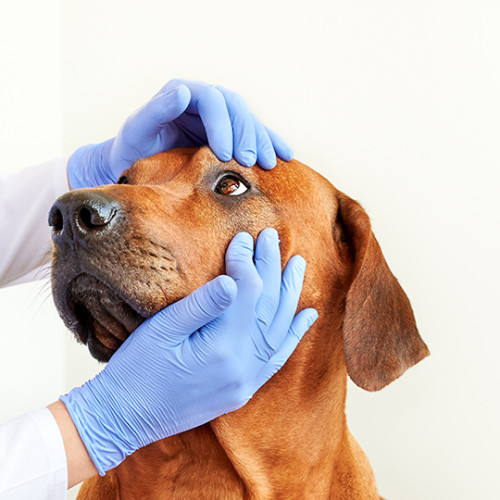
x: 397, y: 103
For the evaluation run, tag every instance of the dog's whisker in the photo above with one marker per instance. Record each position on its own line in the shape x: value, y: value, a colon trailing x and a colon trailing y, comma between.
x: 42, y: 294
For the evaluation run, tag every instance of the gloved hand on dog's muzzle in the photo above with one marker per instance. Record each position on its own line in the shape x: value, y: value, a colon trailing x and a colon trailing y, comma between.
x: 183, y: 113
x: 197, y: 359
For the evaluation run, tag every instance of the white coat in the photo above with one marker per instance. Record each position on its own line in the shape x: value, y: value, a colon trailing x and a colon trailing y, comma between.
x: 32, y: 457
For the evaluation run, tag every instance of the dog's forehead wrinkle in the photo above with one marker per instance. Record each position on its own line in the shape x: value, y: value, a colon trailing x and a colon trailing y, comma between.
x: 158, y: 169
x: 174, y: 189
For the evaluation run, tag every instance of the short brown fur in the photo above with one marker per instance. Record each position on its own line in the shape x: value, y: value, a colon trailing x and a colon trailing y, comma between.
x: 291, y: 440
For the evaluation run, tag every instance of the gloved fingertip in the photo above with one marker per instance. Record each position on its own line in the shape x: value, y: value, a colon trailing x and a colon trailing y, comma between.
x: 243, y: 238
x: 267, y: 162
x: 286, y: 154
x: 223, y: 154
x: 312, y: 317
x: 299, y: 263
x: 167, y: 92
x: 224, y: 290
x: 180, y: 95
x: 221, y: 144
x: 247, y: 158
x: 282, y: 149
x: 184, y: 92
x: 166, y: 107
x: 302, y: 322
x: 269, y: 234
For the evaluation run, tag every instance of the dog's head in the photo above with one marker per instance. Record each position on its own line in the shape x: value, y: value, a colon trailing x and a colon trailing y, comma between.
x: 122, y: 252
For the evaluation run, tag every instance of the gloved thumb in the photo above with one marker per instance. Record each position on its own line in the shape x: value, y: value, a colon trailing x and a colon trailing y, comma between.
x: 147, y: 122
x: 181, y: 319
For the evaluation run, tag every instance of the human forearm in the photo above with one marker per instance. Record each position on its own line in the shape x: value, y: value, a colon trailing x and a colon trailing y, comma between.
x: 80, y: 466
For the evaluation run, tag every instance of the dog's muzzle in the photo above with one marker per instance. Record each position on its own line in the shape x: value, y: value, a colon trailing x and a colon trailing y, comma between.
x: 86, y: 226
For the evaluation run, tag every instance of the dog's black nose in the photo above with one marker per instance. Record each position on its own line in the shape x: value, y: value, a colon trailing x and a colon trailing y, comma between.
x: 81, y: 215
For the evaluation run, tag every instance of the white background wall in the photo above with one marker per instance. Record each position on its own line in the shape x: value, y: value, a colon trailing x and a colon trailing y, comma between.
x: 32, y: 342
x: 397, y: 103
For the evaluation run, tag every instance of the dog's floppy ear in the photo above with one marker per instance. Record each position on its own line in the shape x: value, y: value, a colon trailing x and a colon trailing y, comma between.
x: 381, y: 340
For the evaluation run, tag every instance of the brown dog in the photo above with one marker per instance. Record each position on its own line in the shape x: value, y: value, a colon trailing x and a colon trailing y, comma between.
x: 131, y: 249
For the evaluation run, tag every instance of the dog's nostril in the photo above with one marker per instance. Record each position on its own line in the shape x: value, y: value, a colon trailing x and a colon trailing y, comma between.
x: 94, y: 218
x: 82, y: 214
x: 56, y: 219
x: 85, y: 218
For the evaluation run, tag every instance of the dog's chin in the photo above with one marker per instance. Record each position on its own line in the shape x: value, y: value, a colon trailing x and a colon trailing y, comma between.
x: 98, y: 316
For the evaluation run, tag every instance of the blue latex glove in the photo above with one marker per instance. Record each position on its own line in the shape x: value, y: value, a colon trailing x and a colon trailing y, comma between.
x: 197, y: 359
x: 183, y: 113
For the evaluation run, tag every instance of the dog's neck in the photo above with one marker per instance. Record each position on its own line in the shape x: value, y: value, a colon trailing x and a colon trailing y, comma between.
x: 291, y: 440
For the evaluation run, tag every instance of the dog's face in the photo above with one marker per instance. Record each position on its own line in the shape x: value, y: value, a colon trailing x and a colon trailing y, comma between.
x: 122, y: 252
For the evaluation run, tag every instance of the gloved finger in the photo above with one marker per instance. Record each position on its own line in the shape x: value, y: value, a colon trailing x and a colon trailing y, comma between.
x: 300, y: 325
x: 268, y: 265
x: 243, y: 124
x: 211, y: 106
x: 171, y: 85
x: 196, y: 88
x: 240, y: 266
x: 266, y: 157
x: 280, y: 146
x: 147, y: 122
x: 291, y: 287
x: 178, y: 321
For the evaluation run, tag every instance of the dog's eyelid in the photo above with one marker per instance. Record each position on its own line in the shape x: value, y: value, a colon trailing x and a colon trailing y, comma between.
x: 232, y: 173
x: 122, y: 180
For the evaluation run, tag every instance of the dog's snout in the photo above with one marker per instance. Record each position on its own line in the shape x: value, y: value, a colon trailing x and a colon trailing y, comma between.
x: 82, y: 215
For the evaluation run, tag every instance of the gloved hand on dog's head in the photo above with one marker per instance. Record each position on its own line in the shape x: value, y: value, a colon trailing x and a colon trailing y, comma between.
x: 198, y: 358
x: 183, y: 113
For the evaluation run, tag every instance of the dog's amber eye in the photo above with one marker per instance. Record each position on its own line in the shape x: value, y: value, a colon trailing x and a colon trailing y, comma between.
x: 230, y: 186
x: 122, y: 180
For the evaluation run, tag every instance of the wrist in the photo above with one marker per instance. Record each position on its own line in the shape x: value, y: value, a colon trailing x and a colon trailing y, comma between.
x: 79, y: 463
x: 91, y: 419
x: 102, y: 423
x: 89, y: 166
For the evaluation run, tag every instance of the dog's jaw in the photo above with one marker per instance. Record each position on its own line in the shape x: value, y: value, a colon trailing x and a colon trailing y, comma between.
x: 98, y: 316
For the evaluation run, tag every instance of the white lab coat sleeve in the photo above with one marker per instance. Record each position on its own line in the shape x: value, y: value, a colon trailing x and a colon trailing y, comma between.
x: 32, y: 458
x: 25, y: 200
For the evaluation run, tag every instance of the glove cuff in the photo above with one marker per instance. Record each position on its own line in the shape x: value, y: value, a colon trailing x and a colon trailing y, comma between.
x: 88, y: 166
x: 98, y: 427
